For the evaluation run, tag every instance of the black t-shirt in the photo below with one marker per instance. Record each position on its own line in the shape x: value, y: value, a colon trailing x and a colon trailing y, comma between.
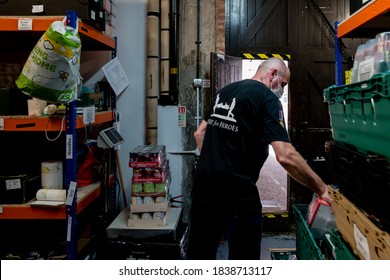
x: 245, y: 118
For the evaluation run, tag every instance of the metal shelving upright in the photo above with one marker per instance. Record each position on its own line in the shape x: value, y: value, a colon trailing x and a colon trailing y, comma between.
x: 71, y: 165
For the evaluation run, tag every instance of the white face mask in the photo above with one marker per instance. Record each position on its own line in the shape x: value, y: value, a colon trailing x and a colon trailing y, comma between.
x: 279, y: 91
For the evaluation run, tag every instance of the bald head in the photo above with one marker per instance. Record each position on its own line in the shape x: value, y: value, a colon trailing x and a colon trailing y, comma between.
x: 271, y: 68
x: 275, y: 63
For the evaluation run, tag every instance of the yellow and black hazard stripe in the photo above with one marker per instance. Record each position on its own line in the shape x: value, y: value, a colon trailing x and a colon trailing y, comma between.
x: 275, y: 215
x: 265, y: 56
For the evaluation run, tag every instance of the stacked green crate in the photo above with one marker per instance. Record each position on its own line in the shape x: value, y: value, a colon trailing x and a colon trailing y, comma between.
x: 360, y: 114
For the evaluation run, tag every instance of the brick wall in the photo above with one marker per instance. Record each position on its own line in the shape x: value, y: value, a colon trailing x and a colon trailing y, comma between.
x: 220, y: 26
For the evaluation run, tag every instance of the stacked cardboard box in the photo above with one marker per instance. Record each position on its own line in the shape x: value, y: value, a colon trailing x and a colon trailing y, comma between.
x: 150, y: 187
x: 110, y: 11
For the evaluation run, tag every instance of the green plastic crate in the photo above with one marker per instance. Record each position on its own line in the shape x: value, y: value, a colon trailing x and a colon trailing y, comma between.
x: 341, y: 247
x: 306, y: 246
x: 360, y: 114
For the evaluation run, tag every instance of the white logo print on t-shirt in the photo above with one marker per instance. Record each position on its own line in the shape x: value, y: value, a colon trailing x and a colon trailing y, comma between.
x: 229, y: 108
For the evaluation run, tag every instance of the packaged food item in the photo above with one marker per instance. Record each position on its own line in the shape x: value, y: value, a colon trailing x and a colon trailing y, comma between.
x: 146, y: 216
x: 136, y: 187
x: 134, y: 216
x: 158, y: 215
x: 382, y: 55
x: 359, y: 57
x: 160, y: 187
x: 320, y: 218
x: 148, y: 200
x: 147, y: 156
x: 136, y: 200
x: 372, y: 57
x: 160, y: 199
x: 148, y: 187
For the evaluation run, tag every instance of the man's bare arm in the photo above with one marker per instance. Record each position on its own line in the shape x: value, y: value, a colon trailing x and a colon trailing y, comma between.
x: 298, y: 168
x: 199, y: 134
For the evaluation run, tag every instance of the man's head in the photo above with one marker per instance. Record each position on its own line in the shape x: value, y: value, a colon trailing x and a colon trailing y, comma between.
x: 274, y: 74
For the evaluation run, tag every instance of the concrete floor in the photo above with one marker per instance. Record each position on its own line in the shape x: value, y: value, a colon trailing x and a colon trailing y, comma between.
x: 277, y: 241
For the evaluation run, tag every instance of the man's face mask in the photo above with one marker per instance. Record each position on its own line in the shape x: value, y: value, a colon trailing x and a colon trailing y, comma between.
x: 279, y: 91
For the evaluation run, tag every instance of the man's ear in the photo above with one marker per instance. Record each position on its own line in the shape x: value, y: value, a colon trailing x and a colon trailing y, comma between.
x: 272, y: 74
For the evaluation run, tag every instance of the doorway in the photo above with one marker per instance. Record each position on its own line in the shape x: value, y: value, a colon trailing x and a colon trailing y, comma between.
x: 272, y: 182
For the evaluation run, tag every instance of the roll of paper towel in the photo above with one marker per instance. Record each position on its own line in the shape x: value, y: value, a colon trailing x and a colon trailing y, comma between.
x: 51, y: 195
x: 51, y: 174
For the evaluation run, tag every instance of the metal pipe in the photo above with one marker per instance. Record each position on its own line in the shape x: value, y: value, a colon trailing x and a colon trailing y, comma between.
x: 198, y: 42
x: 197, y: 107
x: 173, y: 49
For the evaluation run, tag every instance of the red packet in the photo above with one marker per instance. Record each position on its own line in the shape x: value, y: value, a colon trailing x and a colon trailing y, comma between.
x: 313, y: 209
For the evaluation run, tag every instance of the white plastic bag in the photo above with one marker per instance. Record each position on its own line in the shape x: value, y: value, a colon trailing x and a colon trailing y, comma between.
x: 52, y: 70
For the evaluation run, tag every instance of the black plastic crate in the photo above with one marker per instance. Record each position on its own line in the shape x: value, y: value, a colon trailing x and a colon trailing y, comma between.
x: 364, y: 180
x: 18, y: 189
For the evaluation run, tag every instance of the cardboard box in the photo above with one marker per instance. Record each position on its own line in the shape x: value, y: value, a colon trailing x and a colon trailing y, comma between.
x: 365, y: 238
x: 18, y: 189
x: 155, y: 207
x: 147, y: 224
x: 149, y: 203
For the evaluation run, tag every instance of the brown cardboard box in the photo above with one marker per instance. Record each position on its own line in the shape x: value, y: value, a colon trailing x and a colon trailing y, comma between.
x: 155, y: 207
x: 147, y: 224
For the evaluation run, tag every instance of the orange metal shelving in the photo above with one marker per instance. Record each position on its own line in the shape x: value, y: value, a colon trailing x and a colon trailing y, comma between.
x: 41, y: 23
x: 41, y: 123
x: 363, y: 17
x: 85, y: 195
